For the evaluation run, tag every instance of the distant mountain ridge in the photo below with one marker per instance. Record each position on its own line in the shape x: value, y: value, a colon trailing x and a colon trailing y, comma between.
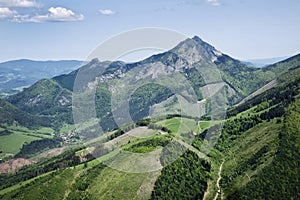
x: 190, y: 58
x: 265, y: 61
x: 17, y: 74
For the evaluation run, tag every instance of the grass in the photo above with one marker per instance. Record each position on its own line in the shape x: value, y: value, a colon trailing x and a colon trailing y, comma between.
x: 114, y: 184
x: 204, y: 124
x: 146, y: 145
x: 236, y: 167
x: 48, y: 186
x: 17, y: 186
x: 207, y: 124
x: 138, y: 135
x: 179, y: 125
x: 183, y: 125
x: 87, y: 124
x: 66, y: 128
x: 84, y: 151
x: 108, y: 184
x: 133, y: 136
x: 253, y: 140
x: 12, y: 143
x: 172, y: 124
x: 45, y: 130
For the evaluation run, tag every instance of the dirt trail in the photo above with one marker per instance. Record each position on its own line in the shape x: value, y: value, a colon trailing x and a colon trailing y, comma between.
x: 206, y: 193
x: 218, y: 182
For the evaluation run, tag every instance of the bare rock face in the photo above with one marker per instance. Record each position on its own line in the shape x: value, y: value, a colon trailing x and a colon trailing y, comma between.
x: 63, y: 101
x: 35, y: 100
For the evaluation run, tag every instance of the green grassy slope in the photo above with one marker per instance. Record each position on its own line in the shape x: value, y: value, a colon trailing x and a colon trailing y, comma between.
x: 55, y: 185
x: 280, y: 178
x: 12, y: 143
x: 261, y: 144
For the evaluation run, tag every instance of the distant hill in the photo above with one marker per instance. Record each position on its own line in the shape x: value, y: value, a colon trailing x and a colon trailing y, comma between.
x: 11, y: 115
x: 45, y: 97
x: 17, y: 74
x: 264, y: 61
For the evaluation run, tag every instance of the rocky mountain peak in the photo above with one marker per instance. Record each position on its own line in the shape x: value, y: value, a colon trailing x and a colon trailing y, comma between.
x: 196, y: 50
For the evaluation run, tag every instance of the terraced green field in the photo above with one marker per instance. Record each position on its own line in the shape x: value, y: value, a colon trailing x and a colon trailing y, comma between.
x: 177, y: 124
x: 12, y: 143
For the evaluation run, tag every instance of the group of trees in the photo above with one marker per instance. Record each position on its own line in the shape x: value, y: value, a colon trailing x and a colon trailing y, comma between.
x: 196, y: 80
x: 150, y: 144
x: 11, y: 115
x: 237, y: 125
x: 139, y: 103
x: 242, y: 78
x: 36, y: 146
x: 103, y: 109
x: 146, y: 96
x: 233, y: 128
x: 185, y: 178
x: 5, y: 132
x: 80, y: 186
x: 142, y: 122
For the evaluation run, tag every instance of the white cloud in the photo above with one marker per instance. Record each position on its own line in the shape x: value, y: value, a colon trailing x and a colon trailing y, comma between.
x: 6, y: 12
x: 55, y: 14
x: 19, y: 3
x: 60, y: 14
x: 107, y: 12
x: 214, y: 2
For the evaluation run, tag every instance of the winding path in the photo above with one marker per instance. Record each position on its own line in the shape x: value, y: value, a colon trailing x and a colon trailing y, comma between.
x: 218, y: 182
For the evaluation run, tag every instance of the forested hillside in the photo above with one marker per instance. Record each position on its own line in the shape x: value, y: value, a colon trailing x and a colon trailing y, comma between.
x: 260, y: 142
x: 251, y: 153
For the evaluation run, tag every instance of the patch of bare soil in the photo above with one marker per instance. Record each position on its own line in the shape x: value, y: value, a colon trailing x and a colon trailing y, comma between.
x: 14, y: 164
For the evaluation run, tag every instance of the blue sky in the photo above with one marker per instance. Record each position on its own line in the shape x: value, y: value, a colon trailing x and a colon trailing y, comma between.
x: 64, y: 29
